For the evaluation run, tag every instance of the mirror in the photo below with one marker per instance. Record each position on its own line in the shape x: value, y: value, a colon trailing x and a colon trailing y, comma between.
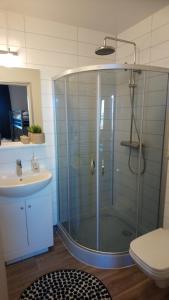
x: 20, y: 104
x: 14, y: 112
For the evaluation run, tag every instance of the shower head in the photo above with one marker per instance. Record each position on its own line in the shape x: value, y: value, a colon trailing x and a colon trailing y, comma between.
x: 105, y: 50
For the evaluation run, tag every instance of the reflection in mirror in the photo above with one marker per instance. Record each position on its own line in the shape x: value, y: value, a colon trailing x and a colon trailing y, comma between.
x: 14, y: 111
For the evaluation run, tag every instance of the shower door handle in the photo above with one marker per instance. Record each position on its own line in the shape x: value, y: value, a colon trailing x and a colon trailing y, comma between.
x: 92, y: 166
x: 102, y: 167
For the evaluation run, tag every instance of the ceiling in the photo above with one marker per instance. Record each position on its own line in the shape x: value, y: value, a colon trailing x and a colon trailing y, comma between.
x: 111, y: 16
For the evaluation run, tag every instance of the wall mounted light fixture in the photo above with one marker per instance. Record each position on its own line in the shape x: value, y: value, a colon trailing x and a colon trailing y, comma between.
x: 9, y: 56
x: 9, y: 52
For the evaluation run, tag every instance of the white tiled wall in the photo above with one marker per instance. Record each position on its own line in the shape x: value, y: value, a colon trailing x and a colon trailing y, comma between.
x: 51, y: 47
x: 152, y: 38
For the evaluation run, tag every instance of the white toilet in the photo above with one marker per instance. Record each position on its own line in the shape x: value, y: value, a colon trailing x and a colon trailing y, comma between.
x: 151, y: 253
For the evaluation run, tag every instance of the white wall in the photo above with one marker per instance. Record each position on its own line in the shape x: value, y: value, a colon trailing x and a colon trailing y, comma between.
x: 152, y: 38
x: 51, y: 47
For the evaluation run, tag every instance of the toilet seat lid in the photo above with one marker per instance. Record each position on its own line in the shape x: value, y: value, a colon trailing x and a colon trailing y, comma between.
x: 153, y: 249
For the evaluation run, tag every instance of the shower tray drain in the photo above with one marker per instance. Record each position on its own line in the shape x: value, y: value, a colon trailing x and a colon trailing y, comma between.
x: 127, y: 233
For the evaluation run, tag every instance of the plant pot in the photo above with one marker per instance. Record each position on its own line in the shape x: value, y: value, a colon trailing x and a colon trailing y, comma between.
x: 25, y: 139
x: 37, y: 138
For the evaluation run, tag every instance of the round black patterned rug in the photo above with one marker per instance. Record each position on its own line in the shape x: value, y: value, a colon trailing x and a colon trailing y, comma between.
x: 66, y: 285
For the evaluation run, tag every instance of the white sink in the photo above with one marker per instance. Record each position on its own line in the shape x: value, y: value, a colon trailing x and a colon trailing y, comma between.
x: 28, y: 184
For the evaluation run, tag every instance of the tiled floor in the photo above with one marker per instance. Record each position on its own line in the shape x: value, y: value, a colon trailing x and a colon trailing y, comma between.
x: 124, y: 284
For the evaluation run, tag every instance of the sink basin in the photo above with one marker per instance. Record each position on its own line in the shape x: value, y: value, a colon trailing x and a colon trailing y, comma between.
x: 28, y: 184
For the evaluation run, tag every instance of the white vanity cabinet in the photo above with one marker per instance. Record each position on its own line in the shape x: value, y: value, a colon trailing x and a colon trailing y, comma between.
x: 26, y: 226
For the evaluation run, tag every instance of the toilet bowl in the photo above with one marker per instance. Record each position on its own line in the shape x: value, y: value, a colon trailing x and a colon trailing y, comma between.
x: 151, y: 254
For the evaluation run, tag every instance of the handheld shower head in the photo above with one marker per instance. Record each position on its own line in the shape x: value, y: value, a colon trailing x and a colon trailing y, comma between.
x: 105, y: 50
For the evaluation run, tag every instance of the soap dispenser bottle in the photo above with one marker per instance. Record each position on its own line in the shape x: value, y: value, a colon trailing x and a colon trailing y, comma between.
x: 35, y: 164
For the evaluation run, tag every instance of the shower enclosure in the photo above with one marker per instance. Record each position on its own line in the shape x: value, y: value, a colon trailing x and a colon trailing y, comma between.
x: 111, y: 150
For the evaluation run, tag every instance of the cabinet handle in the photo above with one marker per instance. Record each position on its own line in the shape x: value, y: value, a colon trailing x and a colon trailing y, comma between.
x: 92, y: 166
x: 102, y: 167
x: 21, y: 207
x: 29, y: 206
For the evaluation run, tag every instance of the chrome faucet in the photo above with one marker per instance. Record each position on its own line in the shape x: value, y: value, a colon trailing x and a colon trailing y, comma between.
x: 18, y: 168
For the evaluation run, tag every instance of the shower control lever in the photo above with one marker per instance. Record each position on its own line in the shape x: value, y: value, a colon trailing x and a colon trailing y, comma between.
x: 92, y: 166
x: 102, y: 167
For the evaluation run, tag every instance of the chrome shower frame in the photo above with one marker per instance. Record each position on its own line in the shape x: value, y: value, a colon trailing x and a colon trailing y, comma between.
x: 98, y: 258
x: 134, y: 67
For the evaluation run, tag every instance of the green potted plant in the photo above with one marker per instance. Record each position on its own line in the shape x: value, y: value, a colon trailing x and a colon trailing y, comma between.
x: 36, y: 134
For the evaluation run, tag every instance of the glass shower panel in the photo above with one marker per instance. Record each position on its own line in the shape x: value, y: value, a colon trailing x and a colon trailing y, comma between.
x: 155, y: 98
x: 62, y: 152
x: 110, y: 139
x: 119, y: 155
x: 81, y: 105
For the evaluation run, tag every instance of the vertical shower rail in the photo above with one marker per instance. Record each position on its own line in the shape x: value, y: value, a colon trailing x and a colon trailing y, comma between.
x: 67, y: 153
x: 98, y: 162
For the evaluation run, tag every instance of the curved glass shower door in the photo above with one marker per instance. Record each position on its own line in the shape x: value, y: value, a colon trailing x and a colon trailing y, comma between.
x: 118, y: 187
x: 154, y: 125
x: 76, y: 143
x: 110, y: 139
x: 81, y: 92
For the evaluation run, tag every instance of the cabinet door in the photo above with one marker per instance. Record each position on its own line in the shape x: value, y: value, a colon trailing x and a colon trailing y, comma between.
x: 13, y: 229
x: 39, y: 223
